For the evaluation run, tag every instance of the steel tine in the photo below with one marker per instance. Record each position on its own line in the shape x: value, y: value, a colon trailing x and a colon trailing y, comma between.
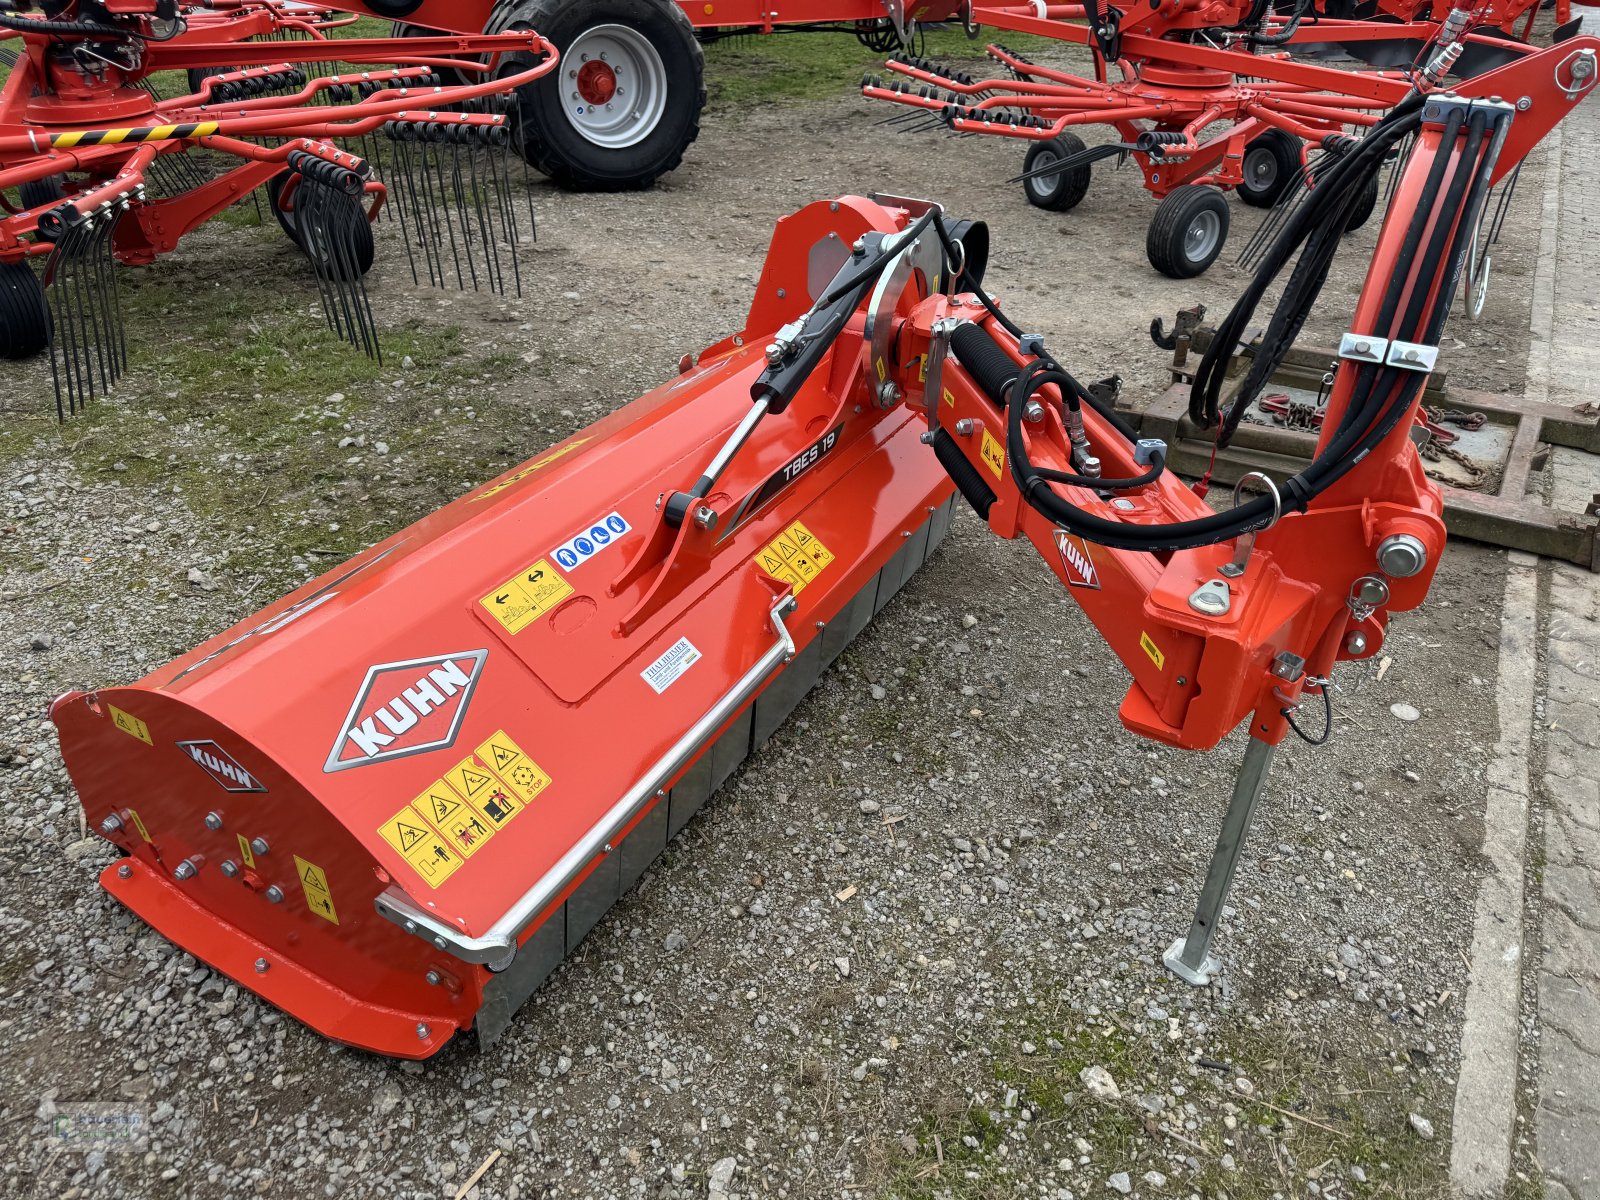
x: 456, y: 212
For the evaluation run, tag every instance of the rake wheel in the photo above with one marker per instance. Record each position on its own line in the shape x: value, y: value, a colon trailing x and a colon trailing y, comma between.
x: 24, y: 315
x: 321, y: 255
x: 1188, y: 231
x: 1063, y: 190
x: 1271, y: 161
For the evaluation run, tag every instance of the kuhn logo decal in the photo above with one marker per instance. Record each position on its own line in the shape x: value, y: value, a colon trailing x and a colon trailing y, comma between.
x: 221, y: 766
x: 1078, y: 561
x: 406, y: 708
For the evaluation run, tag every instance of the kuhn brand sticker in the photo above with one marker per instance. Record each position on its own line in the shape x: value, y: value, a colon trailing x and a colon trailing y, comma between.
x: 407, y: 708
x: 581, y: 547
x: 665, y: 671
x: 221, y: 766
x: 1077, y: 560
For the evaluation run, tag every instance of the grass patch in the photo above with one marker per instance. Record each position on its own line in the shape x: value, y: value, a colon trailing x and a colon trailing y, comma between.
x: 794, y: 67
x: 1312, y: 1114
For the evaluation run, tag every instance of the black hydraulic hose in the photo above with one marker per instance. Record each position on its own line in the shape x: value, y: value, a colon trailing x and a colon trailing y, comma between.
x: 1348, y: 447
x: 1325, y: 210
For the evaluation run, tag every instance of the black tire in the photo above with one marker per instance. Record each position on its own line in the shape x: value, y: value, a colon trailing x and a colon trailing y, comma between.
x: 1188, y: 231
x: 1271, y: 161
x: 37, y: 195
x: 24, y: 314
x: 360, y: 229
x: 1364, y: 206
x: 1064, y: 190
x: 550, y: 140
x: 448, y: 76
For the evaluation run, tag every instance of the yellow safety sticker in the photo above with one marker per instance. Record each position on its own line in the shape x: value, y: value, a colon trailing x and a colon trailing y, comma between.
x: 245, y: 852
x: 1153, y: 650
x: 949, y: 397
x: 922, y: 368
x: 485, y: 791
x: 130, y: 724
x: 314, y: 883
x: 501, y: 753
x: 993, y: 455
x: 537, y: 464
x: 439, y: 803
x: 420, y: 845
x: 794, y: 557
x: 139, y: 825
x: 526, y: 596
x: 465, y: 829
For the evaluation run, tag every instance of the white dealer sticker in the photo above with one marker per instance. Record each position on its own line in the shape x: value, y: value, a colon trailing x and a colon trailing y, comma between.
x: 664, y: 672
x: 581, y: 547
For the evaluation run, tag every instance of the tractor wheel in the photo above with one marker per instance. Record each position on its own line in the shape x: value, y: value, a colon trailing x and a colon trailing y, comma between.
x: 1060, y: 191
x: 316, y: 249
x: 1188, y: 231
x: 39, y: 194
x: 24, y: 315
x: 1364, y: 206
x: 449, y: 76
x: 1271, y: 160
x: 625, y: 102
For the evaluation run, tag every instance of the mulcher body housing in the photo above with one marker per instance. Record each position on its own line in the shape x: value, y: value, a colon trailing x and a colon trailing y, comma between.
x: 391, y: 802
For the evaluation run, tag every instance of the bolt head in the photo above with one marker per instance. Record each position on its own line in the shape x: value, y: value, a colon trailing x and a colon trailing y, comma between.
x: 185, y: 870
x: 259, y: 845
x: 230, y: 868
x: 706, y: 517
x: 213, y: 820
x: 433, y: 977
x: 275, y: 894
x: 262, y: 966
x: 125, y: 871
x: 1356, y: 643
x: 423, y: 1032
x: 111, y: 824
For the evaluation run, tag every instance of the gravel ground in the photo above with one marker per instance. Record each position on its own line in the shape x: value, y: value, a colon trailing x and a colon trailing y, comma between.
x: 985, y: 1015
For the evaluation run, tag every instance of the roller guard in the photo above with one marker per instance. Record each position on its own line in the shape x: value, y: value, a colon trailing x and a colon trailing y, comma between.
x: 392, y: 802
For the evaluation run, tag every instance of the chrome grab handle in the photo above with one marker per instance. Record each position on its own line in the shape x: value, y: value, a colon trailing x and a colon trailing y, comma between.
x: 496, y: 948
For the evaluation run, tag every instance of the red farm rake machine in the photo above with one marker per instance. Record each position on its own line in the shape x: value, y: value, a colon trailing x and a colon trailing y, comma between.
x: 124, y: 126
x: 392, y: 801
x: 1204, y: 98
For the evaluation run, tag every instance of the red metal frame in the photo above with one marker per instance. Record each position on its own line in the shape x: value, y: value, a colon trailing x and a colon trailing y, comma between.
x: 53, y: 122
x: 1167, y: 86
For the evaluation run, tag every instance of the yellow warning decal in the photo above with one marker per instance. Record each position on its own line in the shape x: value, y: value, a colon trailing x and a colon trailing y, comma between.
x: 420, y: 845
x: 130, y: 724
x: 245, y: 852
x: 537, y: 464
x: 795, y: 556
x: 439, y: 803
x: 949, y: 397
x: 517, y: 771
x: 314, y: 883
x: 484, y: 791
x: 526, y: 596
x: 465, y: 828
x: 993, y: 455
x: 1153, y: 650
x: 139, y: 825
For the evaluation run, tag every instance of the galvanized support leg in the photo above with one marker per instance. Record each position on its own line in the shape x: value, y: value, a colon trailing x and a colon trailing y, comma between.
x: 1190, y: 958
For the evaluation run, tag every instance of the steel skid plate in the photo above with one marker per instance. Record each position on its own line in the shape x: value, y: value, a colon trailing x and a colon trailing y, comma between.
x: 392, y: 802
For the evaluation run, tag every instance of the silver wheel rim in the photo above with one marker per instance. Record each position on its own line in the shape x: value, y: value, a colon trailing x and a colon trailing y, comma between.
x: 1045, y: 185
x: 1261, y: 168
x: 613, y: 86
x: 1201, y: 238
